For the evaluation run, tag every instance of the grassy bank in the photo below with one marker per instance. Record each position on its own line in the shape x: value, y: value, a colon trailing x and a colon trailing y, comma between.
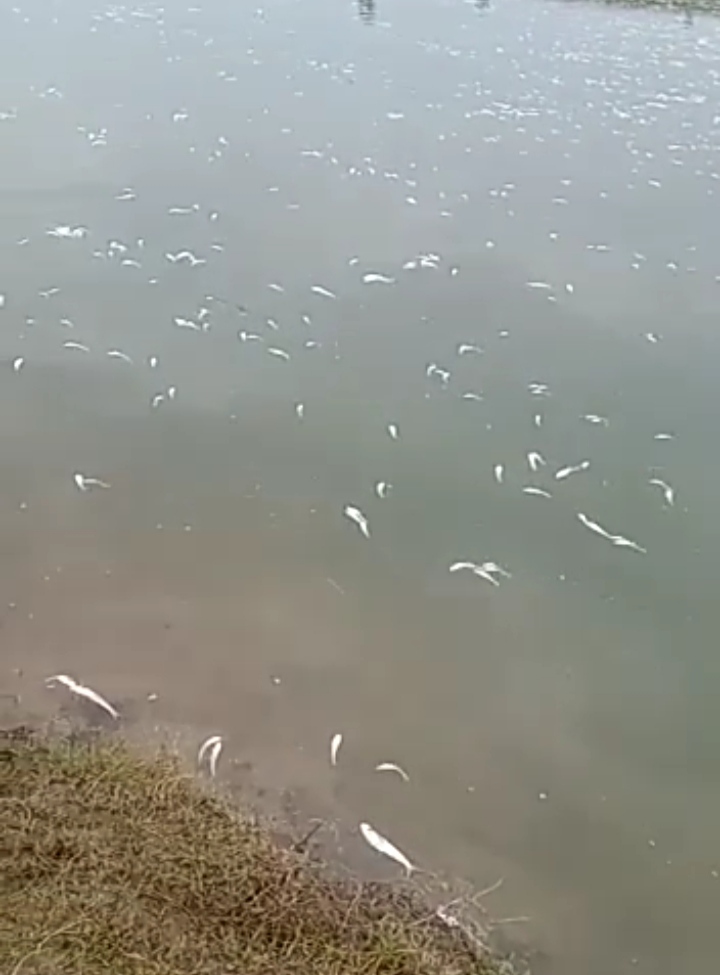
x: 114, y: 862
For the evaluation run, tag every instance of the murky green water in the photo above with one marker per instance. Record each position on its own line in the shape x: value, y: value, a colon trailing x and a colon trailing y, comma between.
x: 491, y: 228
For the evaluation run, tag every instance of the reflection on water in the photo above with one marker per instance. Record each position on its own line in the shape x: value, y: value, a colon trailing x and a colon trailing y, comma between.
x: 364, y: 381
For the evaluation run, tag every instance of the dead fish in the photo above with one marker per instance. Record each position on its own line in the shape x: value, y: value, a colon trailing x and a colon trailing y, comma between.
x: 489, y: 570
x: 668, y: 492
x: 81, y: 691
x: 393, y: 431
x: 384, y: 846
x: 392, y: 767
x: 211, y: 747
x: 185, y: 256
x: 157, y: 399
x: 279, y: 353
x: 594, y: 527
x: 355, y: 515
x: 186, y: 323
x: 78, y: 346
x: 18, y: 363
x: 543, y: 285
x: 499, y: 472
x: 595, y: 419
x: 465, y: 349
x: 572, y: 469
x: 249, y: 336
x: 434, y: 370
x: 474, y: 396
x: 68, y: 233
x: 335, y: 743
x: 619, y: 540
x: 459, y: 566
x: 382, y: 489
x: 535, y: 460
x: 299, y: 410
x: 84, y: 483
x: 117, y: 354
x: 623, y: 542
x: 323, y: 292
x: 664, y: 436
x: 373, y: 278
x: 536, y: 491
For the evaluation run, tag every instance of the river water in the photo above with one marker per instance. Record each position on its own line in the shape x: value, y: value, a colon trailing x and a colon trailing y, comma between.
x: 261, y: 262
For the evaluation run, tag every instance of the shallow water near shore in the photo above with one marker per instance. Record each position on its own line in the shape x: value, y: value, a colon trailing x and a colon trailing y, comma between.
x: 263, y: 263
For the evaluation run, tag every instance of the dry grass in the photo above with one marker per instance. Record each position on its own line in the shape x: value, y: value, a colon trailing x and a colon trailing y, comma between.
x: 113, y: 862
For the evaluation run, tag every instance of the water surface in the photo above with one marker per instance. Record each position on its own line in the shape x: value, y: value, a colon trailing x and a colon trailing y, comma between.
x: 269, y: 233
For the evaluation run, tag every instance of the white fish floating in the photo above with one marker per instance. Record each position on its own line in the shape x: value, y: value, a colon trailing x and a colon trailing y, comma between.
x: 117, y: 354
x: 279, y: 353
x: 536, y: 491
x: 596, y: 420
x: 393, y: 431
x: 84, y: 483
x: 323, y: 292
x: 299, y: 410
x: 77, y: 346
x: 372, y: 278
x: 564, y: 472
x: 68, y: 233
x: 499, y: 473
x: 535, y: 460
x: 211, y: 747
x: 539, y: 285
x: 249, y: 336
x: 157, y: 399
x: 186, y: 323
x: 384, y: 846
x: 664, y: 436
x: 382, y: 489
x: 392, y: 767
x: 335, y: 743
x: 619, y: 540
x: 465, y: 349
x: 81, y: 691
x: 434, y: 369
x: 473, y: 396
x: 487, y: 570
x: 358, y: 518
x: 18, y: 363
x: 667, y: 490
x: 186, y: 256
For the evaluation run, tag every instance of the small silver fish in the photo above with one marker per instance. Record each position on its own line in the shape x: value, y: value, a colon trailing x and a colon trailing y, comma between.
x: 536, y: 491
x: 535, y: 460
x: 186, y: 323
x: 323, y: 292
x: 465, y: 349
x: 393, y: 431
x: 279, y: 353
x: 355, y: 515
x: 83, y: 483
x: 667, y: 490
x: 117, y: 354
x: 499, y: 472
x: 372, y: 278
x: 78, y: 346
x: 571, y: 469
x: 18, y: 363
x: 384, y: 846
x: 392, y: 767
x: 382, y: 489
x: 81, y: 691
x: 335, y: 743
x: 211, y: 747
